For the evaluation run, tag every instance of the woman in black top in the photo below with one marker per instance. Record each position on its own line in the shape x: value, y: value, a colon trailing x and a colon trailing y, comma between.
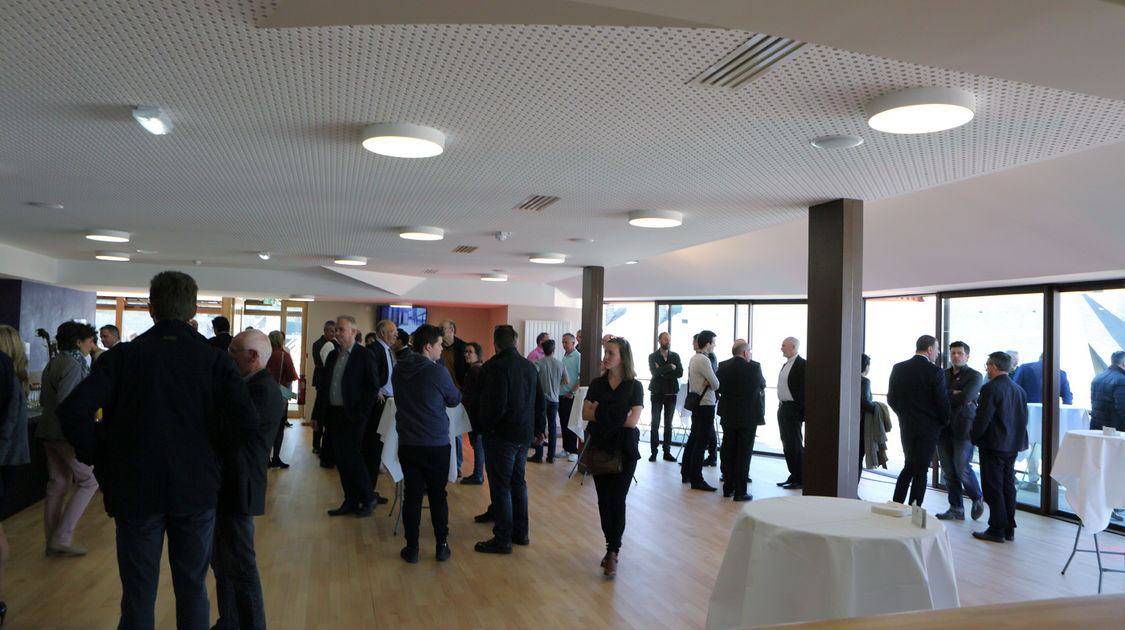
x: 613, y: 407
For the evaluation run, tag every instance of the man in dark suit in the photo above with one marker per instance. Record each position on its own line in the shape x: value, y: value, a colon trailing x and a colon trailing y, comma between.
x: 348, y: 388
x: 791, y: 412
x: 1000, y: 430
x: 917, y: 394
x: 512, y: 411
x: 319, y: 354
x: 386, y: 333
x: 955, y: 449
x: 666, y: 369
x: 741, y: 409
x: 222, y: 338
x: 242, y: 495
x: 171, y: 404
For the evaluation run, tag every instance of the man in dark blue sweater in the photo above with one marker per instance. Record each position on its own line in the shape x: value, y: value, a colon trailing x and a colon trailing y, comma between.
x: 423, y: 389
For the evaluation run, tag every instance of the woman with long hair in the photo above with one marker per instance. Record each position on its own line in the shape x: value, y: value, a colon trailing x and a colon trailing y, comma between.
x: 63, y: 373
x: 14, y: 449
x: 613, y: 406
x: 280, y: 364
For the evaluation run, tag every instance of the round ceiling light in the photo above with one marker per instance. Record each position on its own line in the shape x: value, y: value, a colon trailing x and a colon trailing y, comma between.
x: 921, y: 110
x: 403, y: 140
x: 112, y: 256
x: 265, y: 255
x: 656, y: 218
x: 548, y: 258
x: 494, y: 277
x: 301, y: 298
x: 421, y: 233
x: 631, y: 262
x: 352, y: 261
x: 836, y: 142
x: 108, y: 236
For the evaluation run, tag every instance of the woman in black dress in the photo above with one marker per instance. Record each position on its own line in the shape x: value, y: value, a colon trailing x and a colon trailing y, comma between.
x: 612, y: 408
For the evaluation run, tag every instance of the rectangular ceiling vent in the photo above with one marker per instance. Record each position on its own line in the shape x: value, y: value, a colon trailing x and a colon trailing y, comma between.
x: 758, y: 55
x: 430, y: 272
x: 536, y: 203
x: 464, y: 249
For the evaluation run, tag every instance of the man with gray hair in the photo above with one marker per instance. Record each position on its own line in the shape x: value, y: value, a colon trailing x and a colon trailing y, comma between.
x: 741, y: 409
x: 348, y: 389
x: 791, y: 412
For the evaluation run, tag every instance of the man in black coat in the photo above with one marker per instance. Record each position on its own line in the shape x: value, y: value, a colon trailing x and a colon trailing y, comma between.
x: 348, y: 387
x: 386, y: 333
x: 1107, y: 395
x: 222, y: 338
x: 666, y: 369
x: 917, y: 394
x: 242, y: 495
x: 318, y: 355
x: 512, y: 411
x: 171, y: 404
x: 1000, y: 430
x: 955, y: 449
x: 791, y: 412
x: 741, y: 409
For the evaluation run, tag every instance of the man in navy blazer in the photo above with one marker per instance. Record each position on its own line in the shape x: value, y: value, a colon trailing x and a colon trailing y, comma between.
x: 348, y: 388
x: 1000, y: 431
x: 741, y: 409
x: 917, y: 395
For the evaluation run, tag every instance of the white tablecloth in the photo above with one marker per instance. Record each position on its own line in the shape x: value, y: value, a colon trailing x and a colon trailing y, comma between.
x: 805, y: 558
x: 576, y: 423
x: 458, y: 425
x: 1071, y: 418
x: 1091, y: 467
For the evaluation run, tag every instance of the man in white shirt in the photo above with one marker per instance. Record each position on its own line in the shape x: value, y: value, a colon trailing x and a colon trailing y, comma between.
x: 791, y: 412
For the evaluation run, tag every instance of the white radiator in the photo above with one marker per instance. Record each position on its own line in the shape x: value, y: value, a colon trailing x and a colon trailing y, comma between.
x: 532, y: 328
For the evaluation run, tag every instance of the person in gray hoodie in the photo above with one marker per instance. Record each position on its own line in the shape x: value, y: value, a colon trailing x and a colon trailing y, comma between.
x: 423, y: 389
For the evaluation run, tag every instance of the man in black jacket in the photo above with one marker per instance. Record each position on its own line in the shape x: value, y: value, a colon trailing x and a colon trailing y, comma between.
x: 917, y: 394
x: 221, y: 326
x: 791, y: 412
x: 386, y: 334
x: 666, y: 369
x: 741, y: 409
x: 242, y: 495
x: 512, y: 411
x: 1107, y: 395
x: 318, y: 355
x: 348, y: 387
x: 955, y: 449
x: 171, y: 404
x: 1000, y: 430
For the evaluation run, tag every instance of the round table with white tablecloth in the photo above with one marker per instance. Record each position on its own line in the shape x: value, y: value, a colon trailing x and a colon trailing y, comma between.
x: 458, y: 425
x: 806, y: 558
x: 1091, y: 466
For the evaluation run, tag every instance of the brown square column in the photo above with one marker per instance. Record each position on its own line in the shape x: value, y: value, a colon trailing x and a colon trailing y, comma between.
x: 593, y: 297
x: 834, y: 346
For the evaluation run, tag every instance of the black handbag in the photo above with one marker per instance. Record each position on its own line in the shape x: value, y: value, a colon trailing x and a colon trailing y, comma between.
x: 595, y: 461
x: 692, y: 400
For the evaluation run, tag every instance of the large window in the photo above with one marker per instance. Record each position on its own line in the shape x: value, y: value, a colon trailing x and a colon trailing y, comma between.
x: 633, y: 321
x: 770, y: 325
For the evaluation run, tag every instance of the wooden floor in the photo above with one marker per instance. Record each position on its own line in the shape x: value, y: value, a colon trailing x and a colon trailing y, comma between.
x: 344, y: 573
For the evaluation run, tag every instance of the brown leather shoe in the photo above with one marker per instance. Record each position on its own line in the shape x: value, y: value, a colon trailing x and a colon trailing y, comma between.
x: 609, y: 563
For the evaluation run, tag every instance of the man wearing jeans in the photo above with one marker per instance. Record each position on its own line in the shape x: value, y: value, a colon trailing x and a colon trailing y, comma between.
x: 666, y: 369
x: 171, y: 404
x: 955, y: 450
x: 512, y: 411
x: 572, y: 360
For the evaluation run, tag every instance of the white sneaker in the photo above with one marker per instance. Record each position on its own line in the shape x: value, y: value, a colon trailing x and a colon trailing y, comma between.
x: 573, y: 457
x: 561, y: 454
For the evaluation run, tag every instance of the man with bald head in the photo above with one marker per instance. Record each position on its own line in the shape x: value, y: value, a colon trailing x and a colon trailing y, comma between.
x: 791, y: 411
x: 242, y: 495
x: 453, y: 357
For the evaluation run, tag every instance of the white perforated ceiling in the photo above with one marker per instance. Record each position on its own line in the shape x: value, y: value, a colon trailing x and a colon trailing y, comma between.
x: 265, y: 152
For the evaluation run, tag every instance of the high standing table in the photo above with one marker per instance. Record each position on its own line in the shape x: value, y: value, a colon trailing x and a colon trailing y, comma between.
x: 458, y: 425
x: 1091, y: 466
x: 806, y: 558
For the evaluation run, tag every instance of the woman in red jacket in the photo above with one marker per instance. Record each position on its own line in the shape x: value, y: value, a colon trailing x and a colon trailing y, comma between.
x: 281, y: 366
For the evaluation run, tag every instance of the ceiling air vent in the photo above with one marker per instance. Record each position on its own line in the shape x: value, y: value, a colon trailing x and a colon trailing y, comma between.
x: 429, y: 272
x: 749, y: 61
x: 536, y: 202
x: 464, y: 249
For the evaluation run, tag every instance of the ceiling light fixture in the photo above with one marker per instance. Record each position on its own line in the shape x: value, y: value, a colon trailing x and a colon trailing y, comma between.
x: 301, y: 298
x: 921, y: 110
x: 265, y: 255
x: 836, y: 142
x: 112, y: 256
x: 403, y: 140
x: 656, y: 218
x: 401, y: 305
x: 421, y: 233
x: 46, y: 205
x: 108, y: 236
x: 547, y: 258
x: 153, y: 119
x: 494, y: 277
x: 631, y: 262
x: 353, y: 261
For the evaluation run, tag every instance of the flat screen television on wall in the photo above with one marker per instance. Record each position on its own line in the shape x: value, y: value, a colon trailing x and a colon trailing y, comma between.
x: 405, y: 318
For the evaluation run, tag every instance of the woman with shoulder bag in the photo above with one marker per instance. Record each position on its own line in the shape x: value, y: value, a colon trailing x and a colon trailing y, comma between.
x: 612, y: 408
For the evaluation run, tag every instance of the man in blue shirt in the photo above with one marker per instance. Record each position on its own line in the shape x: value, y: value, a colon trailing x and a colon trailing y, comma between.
x: 572, y: 361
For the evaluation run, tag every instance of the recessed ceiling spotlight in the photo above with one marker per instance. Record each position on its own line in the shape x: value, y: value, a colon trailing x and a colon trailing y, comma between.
x: 548, y: 258
x: 836, y: 142
x: 153, y: 119
x: 46, y: 205
x: 265, y: 255
x: 403, y: 140
x: 301, y: 298
x: 112, y: 256
x: 656, y: 218
x: 197, y: 262
x: 421, y: 233
x: 921, y: 110
x: 353, y: 261
x: 494, y: 277
x: 631, y: 262
x: 147, y: 252
x: 108, y: 236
